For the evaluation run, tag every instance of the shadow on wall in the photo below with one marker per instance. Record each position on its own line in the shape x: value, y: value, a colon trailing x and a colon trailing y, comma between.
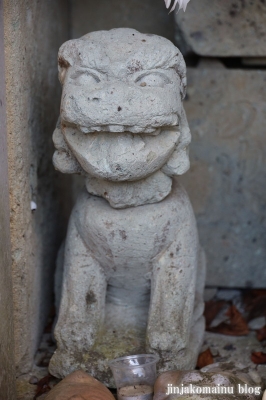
x: 148, y: 16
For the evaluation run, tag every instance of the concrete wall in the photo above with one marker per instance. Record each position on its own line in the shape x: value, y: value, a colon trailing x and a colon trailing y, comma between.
x: 226, y: 112
x: 224, y: 28
x: 34, y: 30
x: 7, y: 370
x: 226, y: 181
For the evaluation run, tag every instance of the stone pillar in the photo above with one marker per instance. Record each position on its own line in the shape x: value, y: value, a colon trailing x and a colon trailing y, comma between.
x: 7, y: 366
x: 33, y: 32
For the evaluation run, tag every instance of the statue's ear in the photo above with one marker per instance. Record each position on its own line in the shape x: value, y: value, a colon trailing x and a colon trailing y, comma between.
x: 185, y: 137
x: 179, y: 163
x: 62, y: 69
x: 179, y: 65
x: 63, y: 159
x: 67, y: 56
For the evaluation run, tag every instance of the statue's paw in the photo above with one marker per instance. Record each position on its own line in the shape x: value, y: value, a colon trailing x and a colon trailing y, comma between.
x: 165, y: 341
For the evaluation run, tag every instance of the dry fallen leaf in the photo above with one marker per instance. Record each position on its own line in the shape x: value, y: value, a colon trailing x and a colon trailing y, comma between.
x: 212, y: 308
x: 255, y: 301
x: 204, y: 359
x: 261, y: 334
x: 236, y: 326
x: 258, y: 357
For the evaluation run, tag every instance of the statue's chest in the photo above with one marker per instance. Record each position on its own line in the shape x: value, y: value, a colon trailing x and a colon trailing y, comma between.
x: 128, y: 238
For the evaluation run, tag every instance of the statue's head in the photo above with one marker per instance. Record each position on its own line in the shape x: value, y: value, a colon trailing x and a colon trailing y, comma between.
x: 120, y: 87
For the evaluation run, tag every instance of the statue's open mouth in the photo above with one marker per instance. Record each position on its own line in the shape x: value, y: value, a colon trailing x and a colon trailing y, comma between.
x: 121, y: 156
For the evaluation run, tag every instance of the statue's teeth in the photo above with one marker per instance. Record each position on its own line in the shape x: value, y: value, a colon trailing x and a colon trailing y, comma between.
x: 97, y: 128
x: 84, y: 129
x: 116, y: 128
x: 135, y: 129
x: 120, y: 129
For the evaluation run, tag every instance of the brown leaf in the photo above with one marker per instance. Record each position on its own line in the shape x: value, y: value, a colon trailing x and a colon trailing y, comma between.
x: 43, y: 386
x: 204, y: 359
x: 212, y: 308
x: 261, y: 334
x: 236, y: 326
x: 258, y: 292
x: 255, y: 301
x: 258, y: 357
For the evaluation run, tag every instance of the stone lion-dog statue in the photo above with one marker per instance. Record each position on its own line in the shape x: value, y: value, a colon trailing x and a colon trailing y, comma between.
x: 133, y: 270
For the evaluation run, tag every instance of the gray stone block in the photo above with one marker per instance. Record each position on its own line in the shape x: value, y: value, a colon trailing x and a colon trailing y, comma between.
x: 226, y: 182
x: 224, y: 28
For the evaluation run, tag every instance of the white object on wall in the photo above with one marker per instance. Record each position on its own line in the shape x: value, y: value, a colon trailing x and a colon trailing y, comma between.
x: 182, y: 4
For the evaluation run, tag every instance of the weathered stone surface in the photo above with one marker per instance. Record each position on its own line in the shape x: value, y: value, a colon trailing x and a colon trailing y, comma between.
x: 7, y: 362
x: 224, y: 28
x: 117, y: 157
x: 152, y: 189
x: 237, y: 350
x: 33, y: 32
x: 118, y: 237
x: 138, y: 271
x: 218, y: 377
x: 226, y: 182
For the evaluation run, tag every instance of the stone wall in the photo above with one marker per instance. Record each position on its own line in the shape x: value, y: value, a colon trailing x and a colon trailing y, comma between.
x: 34, y: 30
x: 224, y: 28
x: 225, y: 106
x: 226, y: 182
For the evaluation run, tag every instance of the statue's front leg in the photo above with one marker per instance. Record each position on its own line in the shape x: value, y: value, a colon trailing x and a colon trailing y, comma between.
x: 171, y: 319
x: 82, y: 303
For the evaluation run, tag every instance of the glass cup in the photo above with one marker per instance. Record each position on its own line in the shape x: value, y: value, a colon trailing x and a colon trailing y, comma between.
x: 135, y: 376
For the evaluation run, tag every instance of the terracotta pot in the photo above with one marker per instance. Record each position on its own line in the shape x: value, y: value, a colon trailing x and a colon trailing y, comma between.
x: 79, y: 386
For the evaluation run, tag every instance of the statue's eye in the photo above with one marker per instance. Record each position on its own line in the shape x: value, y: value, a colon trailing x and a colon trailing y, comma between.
x: 153, y: 79
x: 85, y: 78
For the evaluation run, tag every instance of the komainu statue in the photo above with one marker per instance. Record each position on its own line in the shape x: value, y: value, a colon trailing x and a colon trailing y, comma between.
x: 133, y: 270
